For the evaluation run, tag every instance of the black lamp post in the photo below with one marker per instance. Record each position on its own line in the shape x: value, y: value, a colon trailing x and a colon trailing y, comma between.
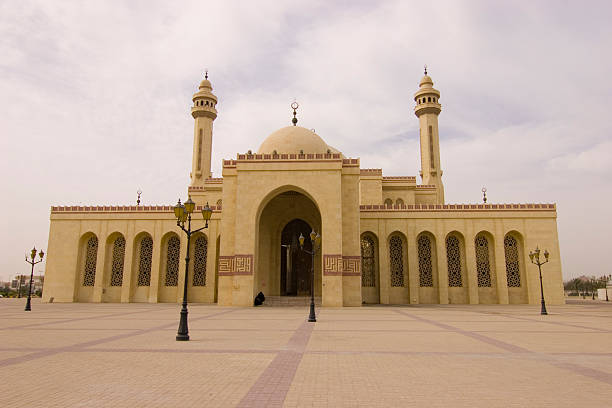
x: 183, y: 214
x: 315, y: 239
x: 535, y: 259
x: 32, y: 262
x: 606, y: 281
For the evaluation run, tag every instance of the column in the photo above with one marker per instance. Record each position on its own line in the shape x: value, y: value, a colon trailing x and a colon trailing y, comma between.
x: 155, y: 262
x: 413, y: 264
x: 500, y: 265
x: 442, y: 264
x: 100, y: 261
x: 470, y: 265
x: 126, y: 286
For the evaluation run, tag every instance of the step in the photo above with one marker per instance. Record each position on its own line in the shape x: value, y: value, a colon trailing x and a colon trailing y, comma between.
x: 286, y: 301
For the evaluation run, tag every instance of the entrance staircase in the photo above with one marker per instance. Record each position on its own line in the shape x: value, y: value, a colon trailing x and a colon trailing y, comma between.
x: 289, y: 301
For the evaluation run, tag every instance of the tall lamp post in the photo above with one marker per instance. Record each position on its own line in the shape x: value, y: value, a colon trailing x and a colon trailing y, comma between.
x: 315, y: 239
x: 535, y: 259
x: 183, y: 214
x: 32, y: 262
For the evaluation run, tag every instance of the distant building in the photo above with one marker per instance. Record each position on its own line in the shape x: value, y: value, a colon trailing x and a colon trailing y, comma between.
x: 384, y: 239
x: 37, y: 282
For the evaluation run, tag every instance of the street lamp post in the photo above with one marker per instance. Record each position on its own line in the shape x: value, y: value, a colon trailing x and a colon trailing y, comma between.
x: 535, y: 259
x: 315, y: 239
x: 606, y: 281
x: 32, y: 262
x: 183, y: 214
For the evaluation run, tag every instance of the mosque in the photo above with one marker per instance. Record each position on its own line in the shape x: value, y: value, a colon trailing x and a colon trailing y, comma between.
x: 384, y: 239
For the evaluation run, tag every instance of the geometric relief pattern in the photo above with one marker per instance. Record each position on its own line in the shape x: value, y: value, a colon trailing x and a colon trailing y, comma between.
x: 172, y: 261
x: 199, y: 261
x: 235, y: 265
x: 513, y: 273
x: 226, y: 265
x: 396, y: 252
x: 144, y: 265
x: 368, y: 273
x: 332, y: 264
x: 425, y: 268
x: 91, y: 256
x: 483, y: 267
x: 118, y: 257
x: 351, y: 265
x: 243, y: 264
x: 453, y: 257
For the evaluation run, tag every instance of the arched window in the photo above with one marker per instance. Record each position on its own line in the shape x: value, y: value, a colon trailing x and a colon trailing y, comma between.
x: 425, y: 268
x: 513, y: 273
x: 91, y: 257
x: 118, y: 257
x: 172, y: 261
x: 453, y: 258
x: 429, y: 99
x: 483, y: 267
x: 388, y: 202
x: 399, y: 202
x: 144, y: 265
x: 396, y: 253
x: 199, y: 261
x: 368, y: 266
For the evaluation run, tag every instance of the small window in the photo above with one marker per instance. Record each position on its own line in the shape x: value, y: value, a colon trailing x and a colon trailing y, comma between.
x: 429, y: 99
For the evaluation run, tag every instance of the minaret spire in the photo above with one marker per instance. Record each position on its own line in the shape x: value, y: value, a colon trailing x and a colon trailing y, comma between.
x: 427, y: 110
x: 204, y: 113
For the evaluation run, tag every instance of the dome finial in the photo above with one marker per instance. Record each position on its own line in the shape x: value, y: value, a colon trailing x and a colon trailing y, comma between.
x: 294, y: 106
x: 425, y: 66
x: 206, y: 74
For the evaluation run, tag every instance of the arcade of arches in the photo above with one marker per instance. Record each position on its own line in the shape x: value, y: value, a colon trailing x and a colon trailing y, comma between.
x: 384, y: 239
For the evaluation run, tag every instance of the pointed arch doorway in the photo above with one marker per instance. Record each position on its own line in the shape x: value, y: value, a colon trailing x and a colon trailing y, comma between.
x: 281, y: 269
x: 295, y: 264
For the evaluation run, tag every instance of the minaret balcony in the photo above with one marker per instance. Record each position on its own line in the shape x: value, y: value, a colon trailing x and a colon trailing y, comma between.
x: 203, y: 111
x: 427, y: 107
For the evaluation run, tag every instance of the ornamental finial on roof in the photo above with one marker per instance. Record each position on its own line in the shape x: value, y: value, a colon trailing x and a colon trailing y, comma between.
x: 294, y: 106
x: 425, y: 66
x: 206, y: 74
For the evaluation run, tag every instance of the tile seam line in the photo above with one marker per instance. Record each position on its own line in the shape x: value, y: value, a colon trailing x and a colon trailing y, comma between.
x: 572, y: 367
x: 84, y: 345
x: 24, y: 326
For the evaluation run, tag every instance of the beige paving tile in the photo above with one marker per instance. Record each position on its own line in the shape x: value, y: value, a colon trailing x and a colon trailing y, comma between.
x: 398, y: 341
x: 551, y: 343
x: 134, y: 380
x: 438, y: 381
x: 52, y: 338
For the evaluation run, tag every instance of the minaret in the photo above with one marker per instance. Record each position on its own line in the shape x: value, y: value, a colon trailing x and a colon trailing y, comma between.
x: 427, y: 110
x: 204, y: 113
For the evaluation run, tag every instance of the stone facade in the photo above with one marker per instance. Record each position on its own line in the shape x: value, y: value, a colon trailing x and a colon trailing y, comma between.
x: 384, y: 239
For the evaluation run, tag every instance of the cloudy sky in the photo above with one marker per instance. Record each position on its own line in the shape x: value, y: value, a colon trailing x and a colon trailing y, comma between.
x: 95, y: 98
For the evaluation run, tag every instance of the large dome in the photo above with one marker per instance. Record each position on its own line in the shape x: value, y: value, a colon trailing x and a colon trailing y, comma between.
x: 293, y: 139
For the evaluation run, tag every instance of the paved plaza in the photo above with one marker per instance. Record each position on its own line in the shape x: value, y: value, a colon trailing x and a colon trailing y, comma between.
x: 125, y: 355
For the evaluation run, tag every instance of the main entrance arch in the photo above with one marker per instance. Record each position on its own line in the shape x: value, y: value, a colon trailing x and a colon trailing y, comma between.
x: 282, y: 269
